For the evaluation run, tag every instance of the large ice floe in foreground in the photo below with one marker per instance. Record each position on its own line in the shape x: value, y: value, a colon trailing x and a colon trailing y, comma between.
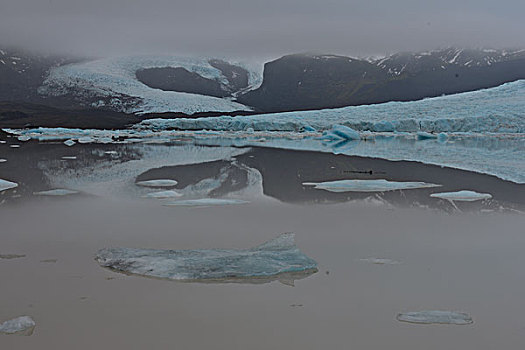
x: 435, y: 316
x: 23, y: 325
x: 380, y: 185
x: 112, y: 82
x: 6, y: 185
x: 462, y: 196
x: 277, y: 259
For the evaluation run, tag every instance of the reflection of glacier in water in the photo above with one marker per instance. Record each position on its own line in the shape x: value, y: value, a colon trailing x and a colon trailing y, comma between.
x: 277, y: 259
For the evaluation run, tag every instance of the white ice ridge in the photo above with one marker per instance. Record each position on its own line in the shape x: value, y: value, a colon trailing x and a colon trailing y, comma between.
x: 269, y: 261
x: 157, y: 183
x: 6, y: 185
x: 497, y: 110
x: 435, y: 316
x: 163, y: 194
x: 23, y: 325
x: 204, y: 202
x: 464, y: 196
x: 380, y: 185
x: 110, y: 77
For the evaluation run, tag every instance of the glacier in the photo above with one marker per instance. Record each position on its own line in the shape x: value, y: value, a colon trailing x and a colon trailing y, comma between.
x: 109, y: 78
x: 277, y: 259
x: 496, y: 110
x: 435, y: 317
x: 380, y: 185
x: 23, y: 325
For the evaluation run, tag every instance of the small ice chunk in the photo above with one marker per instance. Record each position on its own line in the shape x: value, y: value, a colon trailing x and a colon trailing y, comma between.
x: 380, y: 185
x: 86, y: 139
x: 464, y: 195
x: 158, y: 183
x: 111, y: 152
x: 435, y: 316
x: 11, y: 256
x: 423, y: 135
x: 3, y: 160
x: 69, y: 143
x: 6, y: 185
x: 14, y: 146
x: 23, y: 325
x: 277, y: 259
x: 380, y: 261
x: 204, y: 202
x: 24, y: 138
x: 163, y: 194
x: 56, y: 192
x: 69, y: 157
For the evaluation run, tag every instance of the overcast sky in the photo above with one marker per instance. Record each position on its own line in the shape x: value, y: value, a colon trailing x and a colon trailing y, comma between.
x: 263, y: 28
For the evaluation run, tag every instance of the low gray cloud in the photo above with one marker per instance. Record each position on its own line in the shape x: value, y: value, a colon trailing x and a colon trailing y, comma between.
x: 261, y: 28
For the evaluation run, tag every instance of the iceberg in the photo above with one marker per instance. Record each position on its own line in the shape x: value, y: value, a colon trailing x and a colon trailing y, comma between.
x: 341, y: 132
x: 6, y: 185
x: 163, y: 194
x: 157, y: 183
x: 24, y: 138
x: 464, y: 195
x: 23, y: 325
x: 69, y: 143
x: 204, y: 202
x: 437, y: 317
x: 277, y: 259
x: 423, y: 135
x: 380, y: 185
x: 55, y: 192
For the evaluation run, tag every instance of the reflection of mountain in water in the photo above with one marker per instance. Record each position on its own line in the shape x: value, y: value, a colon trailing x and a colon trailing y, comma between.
x: 284, y: 172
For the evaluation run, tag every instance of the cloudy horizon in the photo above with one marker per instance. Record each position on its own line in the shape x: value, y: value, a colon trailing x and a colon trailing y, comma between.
x: 269, y: 29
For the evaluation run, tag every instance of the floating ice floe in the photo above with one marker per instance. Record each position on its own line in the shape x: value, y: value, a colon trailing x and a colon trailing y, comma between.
x: 380, y: 261
x: 6, y: 185
x: 380, y: 185
x: 23, y: 325
x: 423, y: 135
x: 69, y: 157
x: 3, y: 160
x: 464, y: 196
x: 163, y: 194
x: 86, y: 139
x: 14, y: 146
x: 56, y: 192
x: 24, y: 138
x: 157, y: 183
x: 277, y: 259
x: 204, y: 202
x: 69, y: 143
x: 11, y: 256
x: 435, y: 316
